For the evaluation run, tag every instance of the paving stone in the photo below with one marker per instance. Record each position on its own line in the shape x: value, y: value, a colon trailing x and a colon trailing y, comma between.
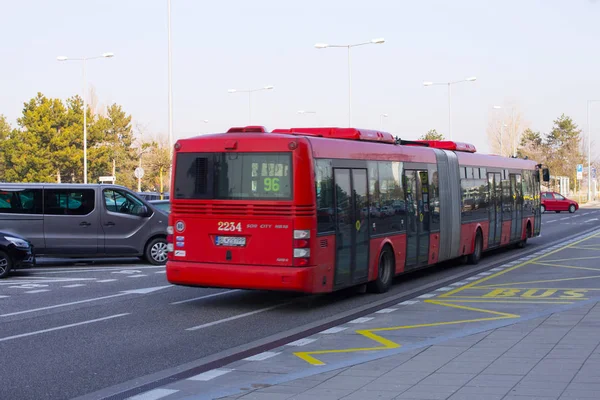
x: 371, y: 395
x: 428, y: 392
x: 476, y: 391
x: 265, y: 396
x: 319, y: 393
x: 447, y: 379
x: 493, y: 380
x: 459, y: 367
x: 345, y: 382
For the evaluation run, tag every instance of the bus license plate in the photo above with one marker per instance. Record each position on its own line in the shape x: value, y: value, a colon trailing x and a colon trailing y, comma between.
x: 230, y: 241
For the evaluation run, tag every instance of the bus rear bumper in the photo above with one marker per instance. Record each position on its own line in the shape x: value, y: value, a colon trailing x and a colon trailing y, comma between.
x: 257, y: 277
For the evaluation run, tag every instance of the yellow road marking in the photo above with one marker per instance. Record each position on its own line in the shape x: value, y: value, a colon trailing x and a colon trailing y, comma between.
x: 386, y: 344
x: 487, y: 278
x: 459, y: 300
x: 575, y: 258
x: 510, y: 285
x: 527, y: 288
x: 567, y: 266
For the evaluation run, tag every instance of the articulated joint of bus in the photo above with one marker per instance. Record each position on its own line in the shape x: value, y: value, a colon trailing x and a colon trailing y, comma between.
x: 301, y: 248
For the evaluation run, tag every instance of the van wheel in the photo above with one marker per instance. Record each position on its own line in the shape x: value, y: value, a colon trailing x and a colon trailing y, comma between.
x: 385, y: 273
x: 474, y: 257
x: 5, y: 264
x: 156, y: 251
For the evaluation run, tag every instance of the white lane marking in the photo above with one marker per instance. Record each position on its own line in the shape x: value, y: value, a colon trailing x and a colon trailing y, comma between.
x: 496, y: 269
x: 473, y: 278
x: 590, y: 220
x: 335, y: 329
x: 37, y: 291
x: 77, y: 270
x: 386, y: 311
x: 484, y: 274
x: 426, y: 296
x: 208, y: 375
x: 554, y: 220
x: 459, y: 283
x: 127, y: 272
x: 408, y: 302
x: 160, y: 272
x: 3, y: 297
x: 136, y: 276
x: 360, y: 320
x: 75, y: 285
x: 220, y: 321
x: 302, y: 342
x: 154, y: 394
x: 261, y: 356
x: 562, y: 219
x: 123, y: 293
x: 28, y: 286
x: 444, y: 289
x: 206, y: 297
x: 106, y: 280
x: 91, y: 321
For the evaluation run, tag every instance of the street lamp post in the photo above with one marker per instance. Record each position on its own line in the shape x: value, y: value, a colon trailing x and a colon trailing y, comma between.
x: 169, y: 81
x: 349, y: 46
x: 250, y: 91
x: 83, y: 60
x: 590, y: 149
x: 381, y: 117
x: 449, y: 84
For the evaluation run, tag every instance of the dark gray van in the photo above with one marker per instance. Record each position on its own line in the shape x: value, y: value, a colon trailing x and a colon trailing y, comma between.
x: 80, y: 221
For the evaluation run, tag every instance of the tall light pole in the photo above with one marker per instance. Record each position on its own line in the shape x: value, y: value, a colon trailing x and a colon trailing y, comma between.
x: 250, y: 91
x: 501, y: 129
x: 381, y: 117
x: 589, y: 149
x: 83, y: 61
x: 349, y: 46
x: 169, y: 79
x: 449, y: 84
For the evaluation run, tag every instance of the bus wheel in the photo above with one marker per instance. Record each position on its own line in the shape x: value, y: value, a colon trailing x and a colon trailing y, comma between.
x: 474, y: 257
x: 523, y: 242
x: 385, y: 273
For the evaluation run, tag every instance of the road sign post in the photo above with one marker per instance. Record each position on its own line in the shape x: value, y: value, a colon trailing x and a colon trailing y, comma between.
x: 579, y: 171
x: 139, y: 174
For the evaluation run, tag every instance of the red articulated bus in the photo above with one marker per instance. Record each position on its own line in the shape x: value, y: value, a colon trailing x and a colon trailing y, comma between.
x: 315, y: 210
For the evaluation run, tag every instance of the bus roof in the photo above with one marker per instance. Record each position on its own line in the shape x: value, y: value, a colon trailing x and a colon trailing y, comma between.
x: 374, y: 144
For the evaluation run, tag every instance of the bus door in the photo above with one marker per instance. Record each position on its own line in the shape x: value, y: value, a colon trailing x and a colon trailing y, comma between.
x: 352, y: 234
x: 517, y: 210
x: 416, y: 189
x: 495, y: 209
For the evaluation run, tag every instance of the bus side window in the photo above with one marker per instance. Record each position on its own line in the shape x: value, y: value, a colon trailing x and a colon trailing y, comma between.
x: 324, y: 191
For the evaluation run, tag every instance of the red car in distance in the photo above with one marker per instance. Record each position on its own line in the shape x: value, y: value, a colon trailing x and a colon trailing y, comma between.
x: 552, y: 201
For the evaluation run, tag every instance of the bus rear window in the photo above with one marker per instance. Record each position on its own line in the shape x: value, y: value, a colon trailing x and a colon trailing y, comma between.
x: 233, y: 176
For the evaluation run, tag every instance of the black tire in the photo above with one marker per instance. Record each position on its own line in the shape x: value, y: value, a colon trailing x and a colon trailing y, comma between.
x: 558, y: 212
x: 6, y: 264
x: 572, y: 208
x: 156, y: 251
x: 523, y: 242
x: 474, y: 257
x: 385, y: 273
x: 543, y: 209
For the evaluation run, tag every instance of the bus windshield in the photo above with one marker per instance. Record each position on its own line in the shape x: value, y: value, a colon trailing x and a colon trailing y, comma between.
x: 233, y: 176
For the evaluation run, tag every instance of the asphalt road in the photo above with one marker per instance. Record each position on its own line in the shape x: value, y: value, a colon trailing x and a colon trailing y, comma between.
x: 66, y: 331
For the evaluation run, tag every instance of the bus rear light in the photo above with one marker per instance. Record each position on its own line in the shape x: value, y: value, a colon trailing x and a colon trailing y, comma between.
x: 301, y: 243
x: 169, y: 230
x: 300, y: 262
x: 301, y: 253
x: 301, y: 234
x: 170, y: 247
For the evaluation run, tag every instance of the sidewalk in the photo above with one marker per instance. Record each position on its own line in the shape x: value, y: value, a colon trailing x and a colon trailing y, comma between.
x: 551, y: 357
x: 527, y: 329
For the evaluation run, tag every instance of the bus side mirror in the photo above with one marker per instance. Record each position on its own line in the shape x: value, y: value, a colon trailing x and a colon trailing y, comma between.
x: 546, y: 174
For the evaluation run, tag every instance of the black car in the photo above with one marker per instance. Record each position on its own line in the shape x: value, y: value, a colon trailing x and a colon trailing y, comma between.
x: 15, y: 252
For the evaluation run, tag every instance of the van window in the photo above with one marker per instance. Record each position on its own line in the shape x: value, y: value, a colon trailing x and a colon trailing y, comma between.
x: 26, y: 201
x: 69, y: 202
x: 122, y: 202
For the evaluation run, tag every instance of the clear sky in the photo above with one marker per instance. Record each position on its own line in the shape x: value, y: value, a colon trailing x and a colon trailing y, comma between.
x: 541, y: 55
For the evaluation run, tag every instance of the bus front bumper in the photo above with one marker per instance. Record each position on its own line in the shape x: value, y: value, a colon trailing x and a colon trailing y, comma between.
x: 257, y: 277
